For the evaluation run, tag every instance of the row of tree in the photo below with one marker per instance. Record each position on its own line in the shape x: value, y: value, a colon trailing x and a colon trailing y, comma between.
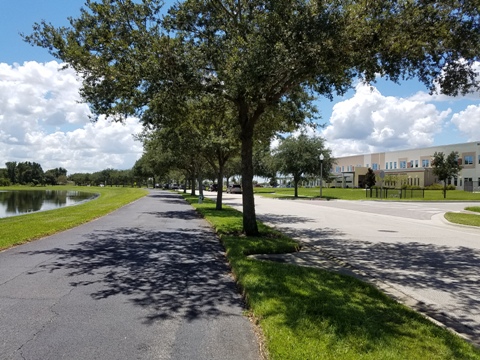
x: 227, y: 75
x: 170, y: 155
x: 31, y: 173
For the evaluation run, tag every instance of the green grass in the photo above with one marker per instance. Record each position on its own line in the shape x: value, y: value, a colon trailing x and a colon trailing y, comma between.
x: 308, y: 313
x: 23, y: 228
x: 463, y: 219
x: 359, y: 194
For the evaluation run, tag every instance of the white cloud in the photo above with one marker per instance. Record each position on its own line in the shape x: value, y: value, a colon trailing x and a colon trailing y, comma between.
x: 468, y: 122
x: 42, y: 120
x: 370, y: 122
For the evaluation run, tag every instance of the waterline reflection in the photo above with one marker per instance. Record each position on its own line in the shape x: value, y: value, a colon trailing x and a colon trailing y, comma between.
x: 18, y: 202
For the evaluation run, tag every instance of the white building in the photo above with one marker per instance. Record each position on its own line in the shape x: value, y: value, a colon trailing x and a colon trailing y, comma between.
x: 413, y: 167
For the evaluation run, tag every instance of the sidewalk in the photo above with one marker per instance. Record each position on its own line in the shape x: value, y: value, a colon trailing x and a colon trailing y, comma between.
x: 149, y: 281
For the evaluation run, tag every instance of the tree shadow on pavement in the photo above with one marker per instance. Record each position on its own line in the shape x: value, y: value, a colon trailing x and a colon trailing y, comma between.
x: 449, y: 273
x: 170, y: 198
x: 180, y: 214
x: 178, y: 273
x: 275, y: 219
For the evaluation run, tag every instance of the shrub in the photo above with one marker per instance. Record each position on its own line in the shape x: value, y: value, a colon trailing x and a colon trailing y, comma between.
x: 5, y: 182
x: 438, y: 186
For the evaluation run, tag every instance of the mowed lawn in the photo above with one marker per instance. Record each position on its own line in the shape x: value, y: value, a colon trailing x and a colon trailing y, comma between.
x: 22, y: 228
x: 361, y: 194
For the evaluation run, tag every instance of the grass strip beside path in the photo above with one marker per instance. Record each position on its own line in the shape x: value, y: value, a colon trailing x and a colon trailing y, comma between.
x: 308, y: 313
x: 23, y: 228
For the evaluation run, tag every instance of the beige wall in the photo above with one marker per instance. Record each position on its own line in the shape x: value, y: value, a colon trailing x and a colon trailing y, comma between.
x: 358, y: 164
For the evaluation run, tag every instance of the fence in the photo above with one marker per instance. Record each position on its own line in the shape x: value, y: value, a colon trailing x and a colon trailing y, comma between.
x: 387, y: 193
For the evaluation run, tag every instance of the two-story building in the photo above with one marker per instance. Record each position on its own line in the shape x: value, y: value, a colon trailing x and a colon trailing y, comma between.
x: 413, y: 167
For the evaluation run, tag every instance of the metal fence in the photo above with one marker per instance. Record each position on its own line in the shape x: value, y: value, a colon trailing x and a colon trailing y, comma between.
x: 387, y: 193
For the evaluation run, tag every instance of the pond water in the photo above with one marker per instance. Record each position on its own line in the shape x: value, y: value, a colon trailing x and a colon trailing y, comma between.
x: 18, y: 202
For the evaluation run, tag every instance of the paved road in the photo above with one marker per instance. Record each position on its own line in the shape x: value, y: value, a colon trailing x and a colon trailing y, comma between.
x: 148, y: 281
x: 430, y: 264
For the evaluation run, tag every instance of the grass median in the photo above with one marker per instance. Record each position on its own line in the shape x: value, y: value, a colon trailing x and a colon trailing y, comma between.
x: 470, y: 219
x: 23, y: 228
x: 308, y: 313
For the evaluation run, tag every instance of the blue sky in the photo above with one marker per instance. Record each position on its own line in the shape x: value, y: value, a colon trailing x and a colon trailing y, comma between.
x: 42, y: 121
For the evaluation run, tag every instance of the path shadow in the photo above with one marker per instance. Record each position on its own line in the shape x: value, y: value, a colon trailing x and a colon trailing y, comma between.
x: 178, y: 273
x: 450, y: 273
x: 276, y: 219
x: 170, y: 198
x: 179, y: 214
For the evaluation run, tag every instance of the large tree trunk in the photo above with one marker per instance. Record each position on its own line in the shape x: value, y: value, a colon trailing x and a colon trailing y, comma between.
x: 295, y: 182
x: 218, y: 205
x: 200, y: 186
x: 250, y: 227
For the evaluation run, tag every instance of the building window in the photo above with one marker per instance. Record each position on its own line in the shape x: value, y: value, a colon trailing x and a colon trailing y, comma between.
x: 391, y: 165
x: 394, y: 164
x: 403, y: 164
x: 375, y: 166
x: 425, y: 163
x: 455, y: 181
x: 479, y: 159
x: 416, y: 163
x: 411, y: 163
x: 468, y: 159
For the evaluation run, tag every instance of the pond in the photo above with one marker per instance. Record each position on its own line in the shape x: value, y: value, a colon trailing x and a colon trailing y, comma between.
x: 18, y: 202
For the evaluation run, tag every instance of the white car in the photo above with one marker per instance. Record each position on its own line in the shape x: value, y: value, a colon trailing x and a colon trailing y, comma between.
x: 234, y: 189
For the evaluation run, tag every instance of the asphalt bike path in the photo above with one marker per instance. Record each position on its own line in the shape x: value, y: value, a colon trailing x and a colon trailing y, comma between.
x: 148, y: 281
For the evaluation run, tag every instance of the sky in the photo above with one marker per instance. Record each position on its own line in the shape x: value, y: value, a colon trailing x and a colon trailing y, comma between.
x: 42, y: 120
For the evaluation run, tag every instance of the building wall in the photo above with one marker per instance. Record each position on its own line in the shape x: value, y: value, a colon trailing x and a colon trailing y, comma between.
x: 413, y: 164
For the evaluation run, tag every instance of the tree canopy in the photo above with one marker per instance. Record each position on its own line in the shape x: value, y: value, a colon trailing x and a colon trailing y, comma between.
x: 260, y: 55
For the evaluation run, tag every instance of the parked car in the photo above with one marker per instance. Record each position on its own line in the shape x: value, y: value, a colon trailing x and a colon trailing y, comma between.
x: 213, y: 187
x: 234, y: 189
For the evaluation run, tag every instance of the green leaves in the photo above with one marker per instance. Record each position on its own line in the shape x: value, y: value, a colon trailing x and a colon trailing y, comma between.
x: 267, y: 58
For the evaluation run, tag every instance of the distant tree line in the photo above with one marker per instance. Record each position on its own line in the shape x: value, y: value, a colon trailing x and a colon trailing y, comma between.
x: 31, y: 173
x: 110, y: 177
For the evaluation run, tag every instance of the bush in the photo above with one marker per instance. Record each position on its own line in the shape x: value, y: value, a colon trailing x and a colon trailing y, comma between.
x: 5, y: 182
x: 438, y: 186
x: 411, y: 187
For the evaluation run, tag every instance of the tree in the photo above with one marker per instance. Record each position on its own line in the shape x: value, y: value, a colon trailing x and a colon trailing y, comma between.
x: 30, y: 173
x: 56, y: 176
x: 12, y: 171
x: 445, y: 167
x: 260, y: 55
x: 299, y: 156
x: 370, y: 178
